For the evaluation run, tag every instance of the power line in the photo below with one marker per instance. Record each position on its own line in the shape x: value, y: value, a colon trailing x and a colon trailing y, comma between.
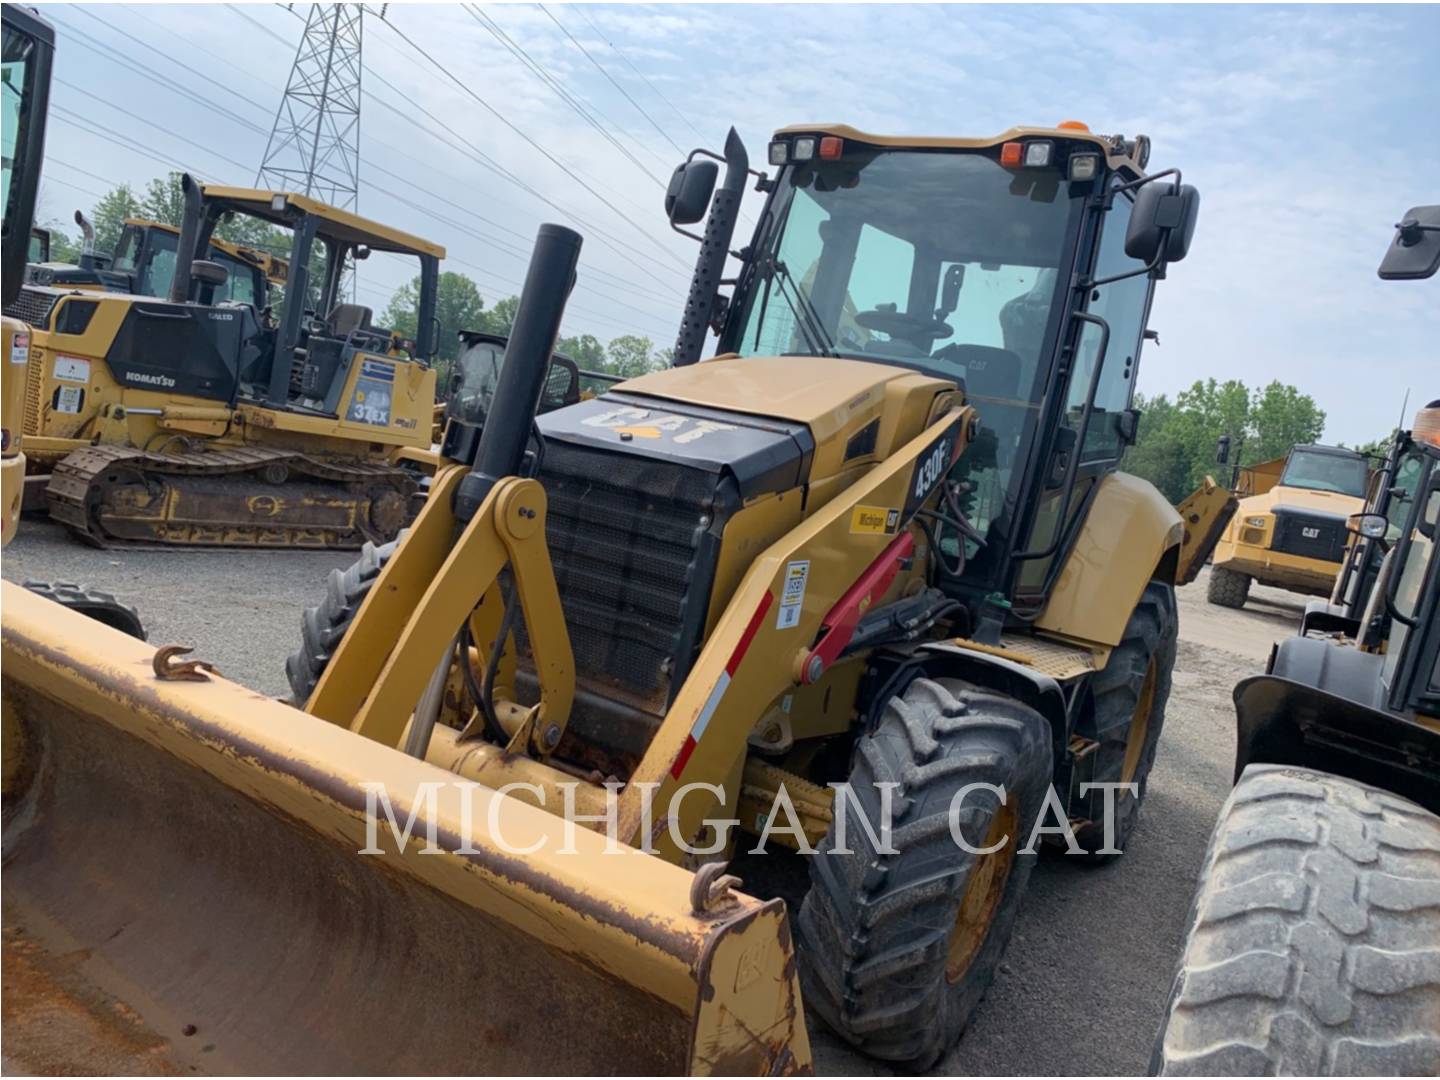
x: 543, y: 151
x: 569, y: 99
x: 631, y: 65
x: 262, y: 27
x: 601, y: 68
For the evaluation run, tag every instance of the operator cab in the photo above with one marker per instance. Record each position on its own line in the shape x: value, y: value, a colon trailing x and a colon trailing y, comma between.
x: 297, y: 354
x: 1020, y: 267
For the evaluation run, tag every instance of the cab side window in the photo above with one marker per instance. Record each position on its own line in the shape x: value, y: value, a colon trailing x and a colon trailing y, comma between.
x: 1123, y: 305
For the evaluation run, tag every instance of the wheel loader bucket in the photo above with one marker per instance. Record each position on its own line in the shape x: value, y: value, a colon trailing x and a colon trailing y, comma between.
x: 1206, y: 512
x: 185, y: 890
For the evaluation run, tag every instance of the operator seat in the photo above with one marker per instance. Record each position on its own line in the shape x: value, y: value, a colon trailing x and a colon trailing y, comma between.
x: 346, y: 318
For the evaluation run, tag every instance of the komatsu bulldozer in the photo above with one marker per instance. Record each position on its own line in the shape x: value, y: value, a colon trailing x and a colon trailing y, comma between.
x: 205, y: 421
x: 873, y: 561
x: 1311, y: 943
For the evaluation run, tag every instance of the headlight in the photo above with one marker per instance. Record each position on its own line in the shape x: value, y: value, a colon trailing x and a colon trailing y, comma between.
x: 1255, y: 522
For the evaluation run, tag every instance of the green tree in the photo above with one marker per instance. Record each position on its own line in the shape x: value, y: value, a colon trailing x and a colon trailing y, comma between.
x: 1282, y: 417
x: 631, y: 355
x: 585, y: 350
x: 164, y: 200
x: 501, y: 317
x: 458, y: 306
x: 109, y: 214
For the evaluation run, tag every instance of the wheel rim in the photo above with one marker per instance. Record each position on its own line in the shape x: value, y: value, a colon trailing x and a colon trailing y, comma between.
x: 1140, y: 724
x: 982, y: 895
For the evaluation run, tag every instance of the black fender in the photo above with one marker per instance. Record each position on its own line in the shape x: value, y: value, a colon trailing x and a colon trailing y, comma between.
x: 1323, y: 617
x: 1322, y: 706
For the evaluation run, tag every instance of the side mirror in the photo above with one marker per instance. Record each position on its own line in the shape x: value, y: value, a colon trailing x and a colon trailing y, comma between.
x: 688, y: 196
x: 1127, y: 425
x: 1222, y: 450
x: 950, y: 290
x: 1162, y: 222
x: 1370, y: 526
x: 1415, y: 251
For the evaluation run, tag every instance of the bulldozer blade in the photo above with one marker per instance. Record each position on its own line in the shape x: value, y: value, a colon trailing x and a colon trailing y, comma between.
x: 185, y: 890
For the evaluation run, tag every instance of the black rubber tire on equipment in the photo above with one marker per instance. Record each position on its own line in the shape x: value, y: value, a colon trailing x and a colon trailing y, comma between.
x: 1227, y: 588
x: 1311, y: 941
x: 323, y: 627
x: 103, y: 607
x: 1152, y: 632
x: 874, y: 929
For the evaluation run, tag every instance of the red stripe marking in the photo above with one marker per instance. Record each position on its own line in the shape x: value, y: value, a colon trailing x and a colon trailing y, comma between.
x: 682, y: 757
x: 750, y: 631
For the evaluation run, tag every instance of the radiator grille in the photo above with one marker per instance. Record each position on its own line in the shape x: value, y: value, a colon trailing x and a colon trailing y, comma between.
x: 34, y: 387
x: 1310, y: 535
x: 626, y: 535
x: 33, y: 306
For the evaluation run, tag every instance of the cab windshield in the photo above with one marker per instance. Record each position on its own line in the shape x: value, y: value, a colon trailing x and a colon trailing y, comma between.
x: 1322, y: 471
x: 944, y: 261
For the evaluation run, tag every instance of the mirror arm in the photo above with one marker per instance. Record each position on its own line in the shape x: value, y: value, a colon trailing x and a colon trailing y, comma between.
x: 1078, y: 452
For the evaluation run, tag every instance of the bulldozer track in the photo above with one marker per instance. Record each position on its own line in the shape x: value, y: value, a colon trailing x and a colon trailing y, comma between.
x: 115, y: 496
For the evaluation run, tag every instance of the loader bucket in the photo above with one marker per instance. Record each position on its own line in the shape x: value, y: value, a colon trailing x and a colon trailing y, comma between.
x: 184, y: 891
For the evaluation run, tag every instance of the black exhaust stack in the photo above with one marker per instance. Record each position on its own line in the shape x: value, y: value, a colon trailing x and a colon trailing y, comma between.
x: 714, y: 248
x: 185, y: 246
x: 523, y: 371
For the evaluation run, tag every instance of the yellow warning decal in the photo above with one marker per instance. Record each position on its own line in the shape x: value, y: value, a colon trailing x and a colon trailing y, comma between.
x: 880, y: 520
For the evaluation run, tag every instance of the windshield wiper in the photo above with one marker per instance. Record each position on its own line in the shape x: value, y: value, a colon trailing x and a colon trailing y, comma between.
x: 806, y: 317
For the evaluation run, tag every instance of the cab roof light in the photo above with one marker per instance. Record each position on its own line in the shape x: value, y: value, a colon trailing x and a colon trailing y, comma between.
x: 1038, y: 153
x: 831, y: 147
x: 804, y: 148
x: 1011, y: 153
x: 1084, y: 166
x: 779, y: 152
x: 277, y: 203
x: 1072, y: 125
x: 1426, y: 428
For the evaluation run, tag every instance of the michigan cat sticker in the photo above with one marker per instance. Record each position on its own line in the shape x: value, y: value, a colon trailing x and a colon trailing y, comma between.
x: 875, y: 520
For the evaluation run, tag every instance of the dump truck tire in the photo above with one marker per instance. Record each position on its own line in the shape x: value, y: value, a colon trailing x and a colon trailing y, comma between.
x: 323, y: 626
x: 1311, y: 940
x: 1128, y: 714
x: 103, y: 607
x: 885, y: 958
x: 1227, y: 588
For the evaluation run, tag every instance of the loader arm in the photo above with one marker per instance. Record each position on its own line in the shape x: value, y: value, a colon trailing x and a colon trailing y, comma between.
x: 185, y: 885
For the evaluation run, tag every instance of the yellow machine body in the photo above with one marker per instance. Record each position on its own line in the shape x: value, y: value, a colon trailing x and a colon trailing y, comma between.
x: 1247, y: 544
x: 16, y: 347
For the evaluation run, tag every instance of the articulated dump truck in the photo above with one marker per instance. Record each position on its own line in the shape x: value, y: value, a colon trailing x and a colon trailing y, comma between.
x: 878, y: 545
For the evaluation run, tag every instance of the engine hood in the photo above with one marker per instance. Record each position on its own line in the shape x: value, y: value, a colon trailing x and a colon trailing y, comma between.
x: 1293, y: 498
x: 775, y: 422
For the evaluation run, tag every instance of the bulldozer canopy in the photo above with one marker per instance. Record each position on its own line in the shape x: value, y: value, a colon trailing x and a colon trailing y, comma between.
x: 283, y: 208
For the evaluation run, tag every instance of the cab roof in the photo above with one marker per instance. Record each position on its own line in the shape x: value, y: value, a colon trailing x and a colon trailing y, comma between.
x: 1114, y: 156
x: 338, y: 224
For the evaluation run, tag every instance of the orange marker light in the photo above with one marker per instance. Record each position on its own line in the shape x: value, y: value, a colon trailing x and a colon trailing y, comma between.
x: 1072, y: 125
x: 1010, y: 154
x: 831, y: 147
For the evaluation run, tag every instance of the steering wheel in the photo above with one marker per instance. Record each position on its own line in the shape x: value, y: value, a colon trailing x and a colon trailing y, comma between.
x: 899, y: 324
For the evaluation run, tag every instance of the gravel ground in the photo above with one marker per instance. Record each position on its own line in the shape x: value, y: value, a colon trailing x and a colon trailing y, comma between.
x: 1085, y: 978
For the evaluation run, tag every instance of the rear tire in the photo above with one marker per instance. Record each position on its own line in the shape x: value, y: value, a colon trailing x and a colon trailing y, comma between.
x: 1311, y: 946
x: 1227, y: 588
x: 1127, y: 715
x: 885, y: 958
x: 323, y: 627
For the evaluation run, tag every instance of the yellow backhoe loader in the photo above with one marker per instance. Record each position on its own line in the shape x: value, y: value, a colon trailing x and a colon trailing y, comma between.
x: 204, y: 421
x: 866, y: 585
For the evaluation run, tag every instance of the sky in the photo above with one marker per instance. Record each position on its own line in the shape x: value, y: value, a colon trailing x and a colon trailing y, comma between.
x: 1308, y: 131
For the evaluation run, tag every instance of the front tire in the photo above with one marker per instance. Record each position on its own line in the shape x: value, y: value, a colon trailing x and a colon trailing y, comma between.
x: 1311, y: 946
x: 323, y: 626
x: 1227, y: 588
x: 1127, y: 714
x: 896, y: 950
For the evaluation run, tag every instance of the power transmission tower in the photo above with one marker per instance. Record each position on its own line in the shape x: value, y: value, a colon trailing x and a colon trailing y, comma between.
x: 314, y: 147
